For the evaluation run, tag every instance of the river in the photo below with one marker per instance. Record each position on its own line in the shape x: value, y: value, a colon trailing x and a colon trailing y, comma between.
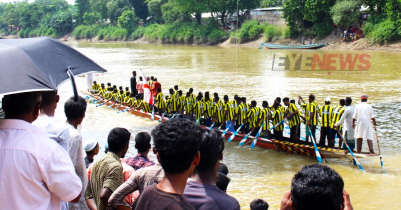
x: 248, y: 72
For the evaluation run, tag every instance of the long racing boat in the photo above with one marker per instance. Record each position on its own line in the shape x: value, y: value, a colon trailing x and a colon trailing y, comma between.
x: 272, y: 144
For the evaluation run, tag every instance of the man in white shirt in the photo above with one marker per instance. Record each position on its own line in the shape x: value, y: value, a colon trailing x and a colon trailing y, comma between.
x: 139, y: 87
x: 348, y: 130
x: 56, y: 130
x: 75, y: 113
x: 363, y: 116
x: 35, y: 171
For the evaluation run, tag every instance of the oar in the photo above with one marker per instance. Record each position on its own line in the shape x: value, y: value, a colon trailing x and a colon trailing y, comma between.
x: 124, y: 110
x: 211, y: 127
x: 234, y: 134
x: 118, y: 106
x: 111, y: 105
x: 198, y: 120
x: 221, y: 125
x: 153, y: 113
x: 346, y: 144
x: 242, y: 142
x: 257, y: 136
x: 287, y: 127
x: 225, y: 131
x: 161, y: 118
x: 100, y: 104
x: 378, y: 145
x: 319, y: 158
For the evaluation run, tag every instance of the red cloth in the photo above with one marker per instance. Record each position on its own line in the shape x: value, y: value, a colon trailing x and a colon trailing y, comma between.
x: 156, y: 85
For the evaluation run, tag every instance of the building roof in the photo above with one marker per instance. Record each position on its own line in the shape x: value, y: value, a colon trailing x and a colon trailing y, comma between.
x: 269, y: 9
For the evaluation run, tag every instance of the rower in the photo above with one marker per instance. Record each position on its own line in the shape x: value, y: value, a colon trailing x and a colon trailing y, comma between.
x: 245, y: 109
x: 239, y: 115
x: 264, y: 118
x: 310, y: 118
x: 102, y: 91
x: 337, y: 114
x: 95, y: 87
x: 277, y: 117
x: 129, y: 101
x: 253, y: 118
x: 294, y: 120
x: 160, y: 102
x: 127, y: 92
x: 191, y: 90
x: 326, y: 113
x: 181, y: 103
x: 216, y: 95
x: 143, y: 105
x: 198, y: 108
x: 218, y: 116
x: 189, y: 102
x: 175, y: 89
x: 208, y: 110
x: 229, y: 114
x: 173, y: 101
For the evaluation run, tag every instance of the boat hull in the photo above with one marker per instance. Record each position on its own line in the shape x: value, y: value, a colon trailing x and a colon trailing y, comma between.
x: 272, y: 144
x: 292, y: 47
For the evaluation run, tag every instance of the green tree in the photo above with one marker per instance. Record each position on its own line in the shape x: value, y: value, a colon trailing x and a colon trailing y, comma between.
x: 128, y: 20
x: 30, y: 15
x: 155, y: 9
x: 140, y: 8
x: 196, y: 7
x: 83, y: 6
x: 271, y: 3
x: 346, y: 12
x: 317, y: 11
x: 11, y: 15
x: 393, y: 8
x: 91, y: 18
x: 100, y: 7
x: 293, y: 13
x: 115, y: 8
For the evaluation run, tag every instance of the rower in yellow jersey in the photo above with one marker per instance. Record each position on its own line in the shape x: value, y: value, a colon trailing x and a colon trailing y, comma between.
x: 229, y: 114
x: 95, y: 87
x: 218, y: 117
x: 189, y: 102
x: 311, y: 113
x: 173, y: 102
x: 277, y: 117
x: 181, y: 103
x: 143, y: 105
x: 160, y: 102
x: 294, y: 120
x: 127, y: 93
x: 129, y: 101
x: 208, y: 110
x: 246, y: 107
x: 102, y: 91
x: 191, y: 91
x: 337, y: 114
x: 198, y: 108
x: 264, y: 119
x: 326, y: 113
x: 253, y: 118
x: 176, y: 90
x: 239, y: 115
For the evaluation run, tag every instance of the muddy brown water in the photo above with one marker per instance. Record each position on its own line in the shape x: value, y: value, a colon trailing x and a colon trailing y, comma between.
x: 259, y: 173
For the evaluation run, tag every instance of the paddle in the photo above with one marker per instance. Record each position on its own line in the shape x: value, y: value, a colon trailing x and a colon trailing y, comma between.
x: 198, y: 120
x: 246, y: 142
x: 111, y: 105
x: 346, y: 144
x: 221, y: 125
x: 257, y: 136
x: 211, y: 127
x: 161, y: 118
x: 319, y: 158
x: 234, y: 134
x: 153, y: 113
x: 225, y: 131
x: 242, y: 142
x: 124, y: 110
x: 380, y: 154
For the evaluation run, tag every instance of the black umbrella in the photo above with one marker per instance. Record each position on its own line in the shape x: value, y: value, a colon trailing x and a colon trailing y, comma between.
x: 39, y: 64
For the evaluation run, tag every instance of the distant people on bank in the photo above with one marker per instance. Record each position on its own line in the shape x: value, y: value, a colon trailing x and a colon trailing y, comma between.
x: 201, y: 190
x: 74, y: 109
x: 56, y: 130
x: 177, y: 142
x: 347, y: 121
x: 362, y: 123
x: 91, y: 148
x: 316, y: 187
x: 33, y: 167
x: 107, y: 172
x: 259, y: 204
x: 143, y: 146
x: 133, y: 83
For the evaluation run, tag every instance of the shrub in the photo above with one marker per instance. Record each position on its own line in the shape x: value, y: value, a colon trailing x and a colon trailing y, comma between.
x: 138, y: 33
x: 272, y: 32
x: 119, y: 34
x: 250, y: 30
x: 286, y: 32
x: 77, y: 33
x: 384, y: 32
x: 217, y: 36
x: 321, y: 30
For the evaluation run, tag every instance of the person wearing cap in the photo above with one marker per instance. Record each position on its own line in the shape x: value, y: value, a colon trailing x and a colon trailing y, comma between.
x: 363, y: 116
x: 326, y: 113
x: 91, y: 148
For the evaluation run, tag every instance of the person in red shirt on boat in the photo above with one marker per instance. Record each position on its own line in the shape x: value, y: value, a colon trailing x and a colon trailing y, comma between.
x: 155, y: 86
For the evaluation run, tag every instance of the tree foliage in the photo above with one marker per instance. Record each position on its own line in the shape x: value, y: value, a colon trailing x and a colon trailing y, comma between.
x: 128, y: 20
x: 115, y: 9
x: 271, y: 3
x: 140, y: 8
x: 346, y: 12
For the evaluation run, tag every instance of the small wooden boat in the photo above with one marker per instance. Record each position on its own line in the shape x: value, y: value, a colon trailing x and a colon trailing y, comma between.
x: 301, y: 149
x: 292, y: 47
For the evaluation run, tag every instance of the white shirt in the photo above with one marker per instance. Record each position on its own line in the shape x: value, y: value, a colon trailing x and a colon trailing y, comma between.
x: 56, y: 130
x: 76, y: 151
x: 363, y: 115
x: 36, y: 172
x: 347, y: 119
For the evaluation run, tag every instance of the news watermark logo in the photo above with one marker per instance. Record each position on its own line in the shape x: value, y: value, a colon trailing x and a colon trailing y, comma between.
x: 331, y: 63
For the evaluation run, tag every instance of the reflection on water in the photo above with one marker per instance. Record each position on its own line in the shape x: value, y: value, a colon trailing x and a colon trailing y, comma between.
x: 258, y: 173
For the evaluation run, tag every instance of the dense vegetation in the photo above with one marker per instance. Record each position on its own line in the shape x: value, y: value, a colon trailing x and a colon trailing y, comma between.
x: 180, y: 21
x: 315, y: 18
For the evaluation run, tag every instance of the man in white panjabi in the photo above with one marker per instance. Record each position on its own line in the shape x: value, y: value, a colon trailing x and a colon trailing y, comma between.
x: 75, y: 112
x: 363, y: 116
x: 347, y: 119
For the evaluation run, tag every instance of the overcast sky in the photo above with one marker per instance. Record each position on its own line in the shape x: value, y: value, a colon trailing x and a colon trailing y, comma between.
x: 69, y: 1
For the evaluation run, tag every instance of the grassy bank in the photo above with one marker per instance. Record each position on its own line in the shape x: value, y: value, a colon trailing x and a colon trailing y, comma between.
x: 184, y: 33
x: 252, y: 30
